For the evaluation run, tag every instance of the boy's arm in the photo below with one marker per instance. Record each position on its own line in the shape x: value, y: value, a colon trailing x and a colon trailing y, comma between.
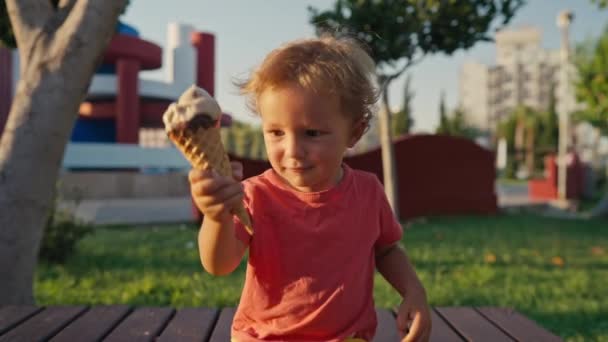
x: 413, y: 316
x: 219, y: 248
x: 395, y: 267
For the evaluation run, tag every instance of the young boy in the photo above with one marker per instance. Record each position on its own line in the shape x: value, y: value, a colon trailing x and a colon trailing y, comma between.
x: 320, y: 227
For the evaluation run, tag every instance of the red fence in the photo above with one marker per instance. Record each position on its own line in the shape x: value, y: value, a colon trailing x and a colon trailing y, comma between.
x: 546, y: 187
x: 438, y: 175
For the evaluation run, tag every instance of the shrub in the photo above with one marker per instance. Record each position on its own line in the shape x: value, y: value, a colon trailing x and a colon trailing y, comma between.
x: 61, y: 234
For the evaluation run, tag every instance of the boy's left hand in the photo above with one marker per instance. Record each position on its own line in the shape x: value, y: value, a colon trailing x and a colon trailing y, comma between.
x: 414, y: 317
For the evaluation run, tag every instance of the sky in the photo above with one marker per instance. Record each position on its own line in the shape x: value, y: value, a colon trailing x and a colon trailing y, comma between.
x: 246, y: 30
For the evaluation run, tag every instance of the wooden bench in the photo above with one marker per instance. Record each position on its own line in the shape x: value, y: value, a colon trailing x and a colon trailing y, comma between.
x: 124, y: 323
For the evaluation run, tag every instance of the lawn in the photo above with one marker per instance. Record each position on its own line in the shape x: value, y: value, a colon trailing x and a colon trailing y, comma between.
x: 553, y: 271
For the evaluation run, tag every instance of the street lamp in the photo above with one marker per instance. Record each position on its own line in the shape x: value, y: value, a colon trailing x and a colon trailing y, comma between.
x: 564, y: 19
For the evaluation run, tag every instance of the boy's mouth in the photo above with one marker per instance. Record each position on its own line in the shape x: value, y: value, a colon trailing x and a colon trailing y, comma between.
x: 299, y: 169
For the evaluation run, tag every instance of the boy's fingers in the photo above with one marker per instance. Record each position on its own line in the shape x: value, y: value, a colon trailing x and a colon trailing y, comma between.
x: 196, y: 175
x: 226, y: 204
x: 415, y: 331
x: 209, y: 191
x: 237, y: 170
x: 402, y: 318
x: 210, y: 185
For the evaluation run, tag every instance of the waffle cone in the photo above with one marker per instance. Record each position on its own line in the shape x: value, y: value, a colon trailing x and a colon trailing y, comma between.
x: 204, y: 149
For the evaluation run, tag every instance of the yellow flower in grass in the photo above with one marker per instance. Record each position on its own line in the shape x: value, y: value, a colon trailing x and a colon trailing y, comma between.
x: 558, y: 261
x: 597, y: 251
x: 490, y: 258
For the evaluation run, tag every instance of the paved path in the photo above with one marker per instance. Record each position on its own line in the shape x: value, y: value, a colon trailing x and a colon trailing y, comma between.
x: 178, y: 209
x: 510, y: 195
x: 132, y: 211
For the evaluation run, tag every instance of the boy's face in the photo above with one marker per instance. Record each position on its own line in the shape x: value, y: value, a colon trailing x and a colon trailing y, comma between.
x: 306, y: 136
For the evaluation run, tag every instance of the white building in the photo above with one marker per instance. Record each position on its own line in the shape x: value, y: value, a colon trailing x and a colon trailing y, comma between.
x: 524, y: 74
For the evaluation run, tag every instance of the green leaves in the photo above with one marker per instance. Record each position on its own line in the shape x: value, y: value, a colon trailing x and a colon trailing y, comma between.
x: 404, y: 29
x: 7, y: 38
x: 591, y: 87
x: 601, y: 3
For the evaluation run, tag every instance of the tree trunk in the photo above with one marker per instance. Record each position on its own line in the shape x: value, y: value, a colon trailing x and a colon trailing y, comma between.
x: 530, y: 151
x: 59, y: 51
x: 388, y: 155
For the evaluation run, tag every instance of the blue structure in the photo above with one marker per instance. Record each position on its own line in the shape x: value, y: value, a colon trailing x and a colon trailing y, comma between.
x: 101, y: 130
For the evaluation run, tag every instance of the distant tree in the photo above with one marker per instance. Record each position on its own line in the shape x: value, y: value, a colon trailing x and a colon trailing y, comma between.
x: 228, y: 139
x: 549, y: 126
x: 59, y: 49
x: 520, y: 129
x: 242, y: 139
x: 400, y: 33
x: 257, y: 151
x: 591, y: 88
x: 444, y: 124
x: 403, y: 121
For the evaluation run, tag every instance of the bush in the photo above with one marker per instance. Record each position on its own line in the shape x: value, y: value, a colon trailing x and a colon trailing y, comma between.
x: 61, y: 234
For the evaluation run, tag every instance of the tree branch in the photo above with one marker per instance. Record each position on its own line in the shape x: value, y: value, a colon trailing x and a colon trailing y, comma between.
x: 28, y: 18
x: 410, y: 62
x: 66, y: 4
x: 72, y: 34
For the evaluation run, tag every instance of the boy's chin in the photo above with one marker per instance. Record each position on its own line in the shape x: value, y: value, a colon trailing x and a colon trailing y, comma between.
x: 305, y: 185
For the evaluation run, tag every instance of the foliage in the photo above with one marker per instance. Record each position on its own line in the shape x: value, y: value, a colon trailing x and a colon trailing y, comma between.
x: 244, y: 140
x: 399, y: 33
x: 540, y: 126
x: 591, y: 86
x: 549, y: 269
x: 455, y: 124
x: 444, y: 125
x: 7, y: 38
x: 402, y: 120
x: 406, y: 29
x: 548, y: 127
x: 61, y: 234
x: 601, y: 3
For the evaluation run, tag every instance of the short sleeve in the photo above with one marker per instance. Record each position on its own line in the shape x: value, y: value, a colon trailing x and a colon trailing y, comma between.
x: 390, y: 229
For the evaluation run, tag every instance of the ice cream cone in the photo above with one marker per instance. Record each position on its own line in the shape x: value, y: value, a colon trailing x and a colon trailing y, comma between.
x: 197, y: 135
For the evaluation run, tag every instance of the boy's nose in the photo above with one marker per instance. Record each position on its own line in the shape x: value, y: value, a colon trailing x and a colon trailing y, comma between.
x: 293, y: 147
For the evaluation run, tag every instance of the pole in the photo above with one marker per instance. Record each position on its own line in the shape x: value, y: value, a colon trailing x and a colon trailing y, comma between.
x: 563, y: 22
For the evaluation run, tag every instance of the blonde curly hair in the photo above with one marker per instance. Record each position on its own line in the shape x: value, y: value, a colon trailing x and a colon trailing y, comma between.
x: 327, y: 66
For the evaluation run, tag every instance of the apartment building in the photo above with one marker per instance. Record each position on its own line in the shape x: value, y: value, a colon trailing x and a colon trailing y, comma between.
x: 524, y: 74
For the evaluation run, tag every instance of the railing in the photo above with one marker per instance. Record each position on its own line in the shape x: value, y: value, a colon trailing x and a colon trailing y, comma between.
x: 122, y: 156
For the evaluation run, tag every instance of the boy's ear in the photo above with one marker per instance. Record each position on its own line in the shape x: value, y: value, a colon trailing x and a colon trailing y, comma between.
x: 358, y: 129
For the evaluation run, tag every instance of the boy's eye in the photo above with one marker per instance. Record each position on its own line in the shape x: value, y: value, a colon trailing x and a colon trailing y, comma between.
x: 275, y: 133
x: 313, y: 133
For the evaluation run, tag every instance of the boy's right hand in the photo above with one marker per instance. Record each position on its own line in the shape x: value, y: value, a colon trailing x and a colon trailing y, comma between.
x: 216, y: 195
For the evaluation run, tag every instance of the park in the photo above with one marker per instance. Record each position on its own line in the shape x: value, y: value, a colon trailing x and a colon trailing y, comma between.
x: 503, y: 204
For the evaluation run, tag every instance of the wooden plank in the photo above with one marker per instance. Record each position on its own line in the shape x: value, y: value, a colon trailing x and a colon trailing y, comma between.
x: 441, y: 331
x: 44, y: 325
x: 386, y: 331
x: 94, y: 324
x: 143, y: 324
x: 516, y: 325
x: 12, y: 315
x: 221, y: 332
x: 472, y: 325
x: 190, y: 324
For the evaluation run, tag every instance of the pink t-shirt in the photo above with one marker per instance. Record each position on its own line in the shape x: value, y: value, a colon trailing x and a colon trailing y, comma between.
x: 311, y: 259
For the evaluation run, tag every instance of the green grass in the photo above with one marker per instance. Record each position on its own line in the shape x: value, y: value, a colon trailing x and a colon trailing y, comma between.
x: 553, y: 271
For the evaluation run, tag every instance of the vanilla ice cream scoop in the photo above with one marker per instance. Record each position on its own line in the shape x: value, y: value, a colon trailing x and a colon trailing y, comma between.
x: 194, y: 106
